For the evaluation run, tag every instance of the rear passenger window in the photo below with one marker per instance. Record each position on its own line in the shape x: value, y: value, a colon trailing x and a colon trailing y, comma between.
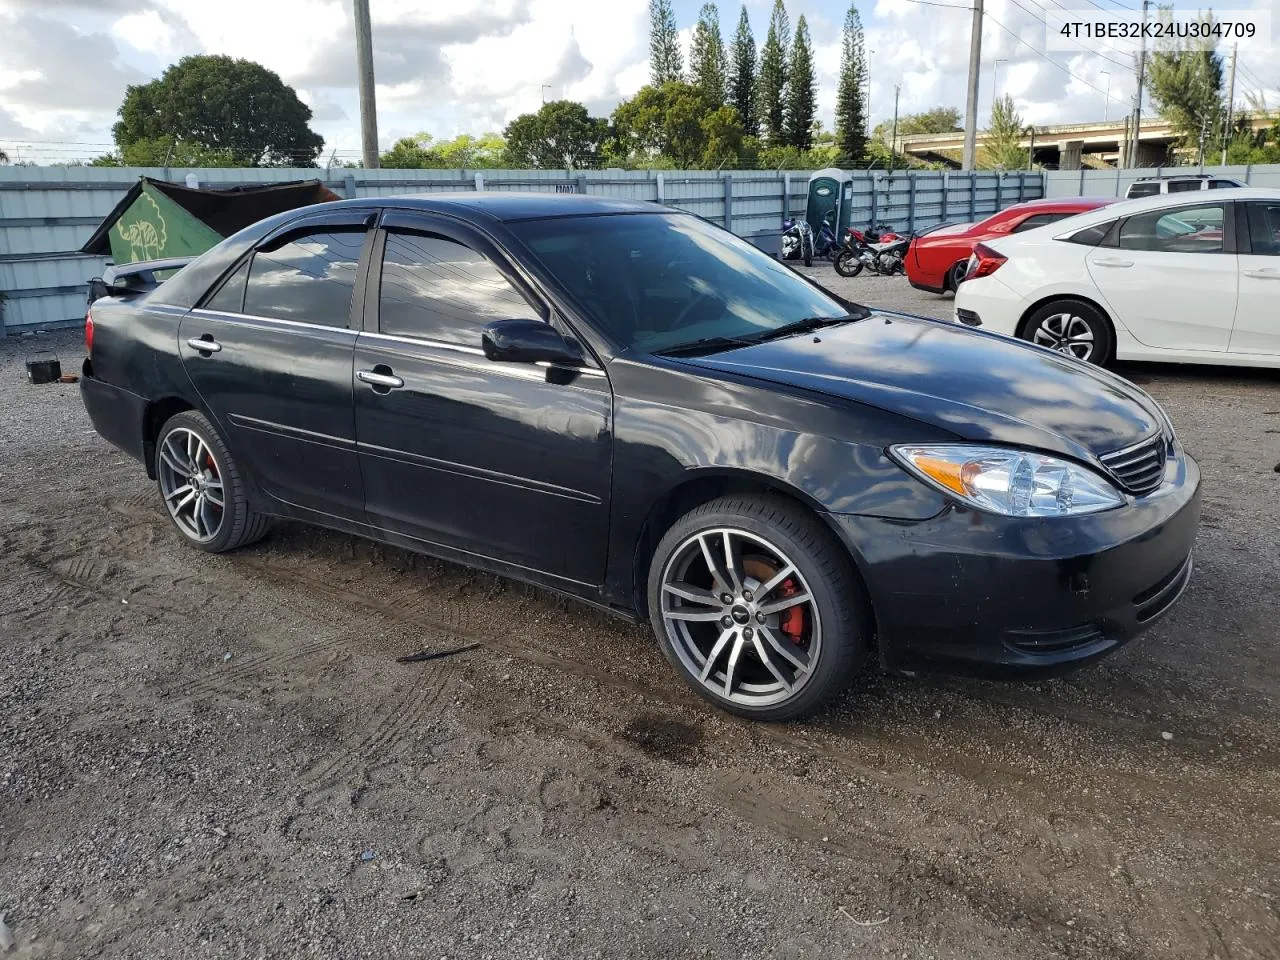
x: 1143, y: 190
x: 1180, y: 186
x: 1184, y: 230
x: 229, y: 297
x: 1222, y: 184
x: 440, y: 289
x: 1039, y: 220
x: 309, y: 279
x: 1092, y: 236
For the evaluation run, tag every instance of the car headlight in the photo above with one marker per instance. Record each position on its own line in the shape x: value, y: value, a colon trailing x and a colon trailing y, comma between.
x: 1013, y: 483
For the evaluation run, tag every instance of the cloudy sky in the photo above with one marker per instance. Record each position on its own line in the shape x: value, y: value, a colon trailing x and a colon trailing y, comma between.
x: 470, y: 66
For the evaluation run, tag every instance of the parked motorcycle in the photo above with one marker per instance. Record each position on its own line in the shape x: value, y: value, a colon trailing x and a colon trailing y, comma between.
x: 797, y: 241
x: 827, y: 245
x: 885, y: 256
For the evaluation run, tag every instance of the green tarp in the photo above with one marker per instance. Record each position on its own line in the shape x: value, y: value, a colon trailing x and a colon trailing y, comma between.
x: 158, y: 219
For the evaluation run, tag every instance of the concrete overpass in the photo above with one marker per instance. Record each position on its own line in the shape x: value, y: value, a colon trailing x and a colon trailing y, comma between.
x: 1065, y: 146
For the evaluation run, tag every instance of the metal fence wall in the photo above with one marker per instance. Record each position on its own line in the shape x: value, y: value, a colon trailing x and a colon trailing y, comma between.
x: 47, y: 213
x: 1114, y: 183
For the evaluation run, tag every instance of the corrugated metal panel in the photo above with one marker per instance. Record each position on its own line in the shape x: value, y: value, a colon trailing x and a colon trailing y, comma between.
x: 53, y: 210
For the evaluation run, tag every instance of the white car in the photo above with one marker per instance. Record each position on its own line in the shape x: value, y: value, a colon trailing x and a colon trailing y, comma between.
x: 1186, y: 277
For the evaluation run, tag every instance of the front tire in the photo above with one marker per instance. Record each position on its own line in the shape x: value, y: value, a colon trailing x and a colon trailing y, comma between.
x: 756, y: 604
x: 1073, y: 327
x: 848, y: 263
x: 201, y: 486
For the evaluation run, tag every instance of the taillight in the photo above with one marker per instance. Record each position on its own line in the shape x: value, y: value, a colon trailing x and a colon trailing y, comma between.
x: 88, y: 331
x: 984, y: 262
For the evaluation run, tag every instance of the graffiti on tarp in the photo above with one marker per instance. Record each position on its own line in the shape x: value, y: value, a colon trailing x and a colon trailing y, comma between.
x: 143, y: 228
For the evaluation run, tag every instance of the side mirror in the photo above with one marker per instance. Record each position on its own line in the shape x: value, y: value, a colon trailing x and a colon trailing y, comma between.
x: 528, y: 341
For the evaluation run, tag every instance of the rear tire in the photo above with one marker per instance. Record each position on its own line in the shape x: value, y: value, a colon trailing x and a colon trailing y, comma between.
x: 795, y: 626
x: 1072, y: 327
x: 201, y: 487
x: 955, y: 276
x: 848, y: 263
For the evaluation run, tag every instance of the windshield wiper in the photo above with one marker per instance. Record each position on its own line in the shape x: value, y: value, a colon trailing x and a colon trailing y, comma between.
x: 705, y: 345
x: 805, y: 325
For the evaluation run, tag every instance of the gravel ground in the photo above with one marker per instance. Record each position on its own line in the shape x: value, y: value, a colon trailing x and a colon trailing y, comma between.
x: 221, y: 757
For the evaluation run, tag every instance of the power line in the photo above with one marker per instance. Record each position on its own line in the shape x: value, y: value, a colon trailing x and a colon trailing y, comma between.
x: 1044, y: 56
x: 1041, y: 18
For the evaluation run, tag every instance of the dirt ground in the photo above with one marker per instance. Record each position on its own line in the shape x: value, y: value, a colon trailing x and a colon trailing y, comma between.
x: 221, y: 757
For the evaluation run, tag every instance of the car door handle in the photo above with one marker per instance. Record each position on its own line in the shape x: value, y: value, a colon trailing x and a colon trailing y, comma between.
x: 204, y: 346
x: 1264, y: 273
x: 384, y: 380
x: 1111, y: 262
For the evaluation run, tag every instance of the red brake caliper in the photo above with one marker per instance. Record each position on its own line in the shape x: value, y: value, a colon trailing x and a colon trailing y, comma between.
x: 792, y: 620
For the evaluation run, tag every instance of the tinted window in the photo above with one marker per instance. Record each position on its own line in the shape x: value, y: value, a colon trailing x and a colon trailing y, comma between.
x: 1185, y: 230
x: 443, y: 290
x: 1148, y: 189
x: 656, y: 281
x: 230, y: 296
x: 1264, y: 228
x: 309, y: 279
x: 1039, y: 220
x: 1222, y: 184
x: 1179, y: 186
x: 1092, y: 236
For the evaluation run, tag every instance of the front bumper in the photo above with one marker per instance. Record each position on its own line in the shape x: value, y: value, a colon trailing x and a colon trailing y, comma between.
x: 972, y: 592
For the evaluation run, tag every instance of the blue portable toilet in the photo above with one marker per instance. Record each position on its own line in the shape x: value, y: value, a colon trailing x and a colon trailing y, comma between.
x: 830, y: 195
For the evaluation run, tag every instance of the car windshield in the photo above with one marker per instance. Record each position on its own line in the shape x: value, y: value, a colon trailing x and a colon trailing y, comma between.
x: 656, y: 282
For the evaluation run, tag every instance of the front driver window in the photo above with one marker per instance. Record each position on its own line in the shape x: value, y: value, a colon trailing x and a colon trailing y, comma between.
x: 1185, y: 230
x: 439, y: 289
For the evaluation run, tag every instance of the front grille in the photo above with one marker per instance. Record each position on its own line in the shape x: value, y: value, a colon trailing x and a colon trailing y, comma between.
x: 1140, y: 468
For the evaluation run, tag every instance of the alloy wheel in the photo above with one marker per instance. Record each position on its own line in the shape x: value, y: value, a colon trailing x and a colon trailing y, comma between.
x: 191, y: 484
x: 740, y: 617
x: 1066, y: 333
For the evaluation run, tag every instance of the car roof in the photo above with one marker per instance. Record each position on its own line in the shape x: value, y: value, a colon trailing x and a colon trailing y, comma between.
x: 1125, y: 208
x: 1185, y: 176
x: 503, y: 206
x: 1053, y: 204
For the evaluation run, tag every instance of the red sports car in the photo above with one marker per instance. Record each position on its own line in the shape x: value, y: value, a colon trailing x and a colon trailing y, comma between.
x: 937, y: 259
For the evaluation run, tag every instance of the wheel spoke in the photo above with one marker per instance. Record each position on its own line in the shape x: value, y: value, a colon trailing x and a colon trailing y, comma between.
x: 768, y: 662
x: 687, y: 591
x: 713, y: 564
x: 166, y: 457
x: 188, y: 499
x: 732, y: 667
x: 785, y: 603
x: 793, y: 655
x: 718, y: 649
x: 185, y: 488
x: 765, y: 588
x: 197, y: 516
x: 693, y: 616
x: 733, y: 560
x: 1079, y: 330
x: 214, y: 501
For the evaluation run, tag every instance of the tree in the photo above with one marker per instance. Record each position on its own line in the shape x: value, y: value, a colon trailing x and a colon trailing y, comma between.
x: 851, y: 106
x: 4, y: 157
x: 663, y: 121
x: 773, y: 76
x: 412, y: 153
x: 1002, y: 150
x: 1185, y: 80
x: 465, y: 152
x: 559, y: 135
x: 937, y: 120
x: 232, y: 107
x: 706, y: 59
x: 723, y: 131
x: 742, y: 76
x: 665, y: 62
x: 802, y: 90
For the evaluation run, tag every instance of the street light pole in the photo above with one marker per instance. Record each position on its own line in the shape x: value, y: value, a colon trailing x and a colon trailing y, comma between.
x: 1106, y: 104
x: 866, y: 104
x: 995, y: 85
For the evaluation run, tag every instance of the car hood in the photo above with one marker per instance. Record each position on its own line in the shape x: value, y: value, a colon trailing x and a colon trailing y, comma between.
x: 977, y: 386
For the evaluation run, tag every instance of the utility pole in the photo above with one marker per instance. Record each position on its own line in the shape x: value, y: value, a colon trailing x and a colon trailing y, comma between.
x: 1031, y: 154
x: 545, y: 88
x: 1231, y: 100
x: 995, y: 82
x: 1204, y: 130
x: 893, y: 150
x: 971, y: 101
x: 1135, y: 145
x: 368, y: 103
x: 1106, y: 104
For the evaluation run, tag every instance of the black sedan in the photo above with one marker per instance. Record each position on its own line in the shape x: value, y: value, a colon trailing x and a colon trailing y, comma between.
x: 628, y: 405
